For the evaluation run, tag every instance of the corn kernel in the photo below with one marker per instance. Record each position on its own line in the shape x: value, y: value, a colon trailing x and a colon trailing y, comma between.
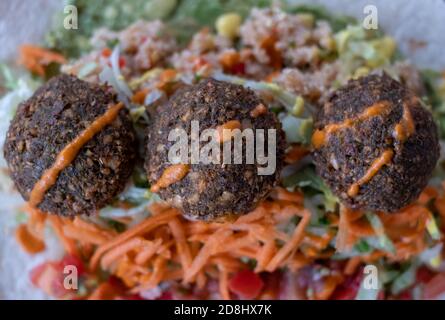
x: 228, y: 25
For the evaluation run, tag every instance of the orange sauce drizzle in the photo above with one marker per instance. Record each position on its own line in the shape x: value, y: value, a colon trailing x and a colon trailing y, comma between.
x: 378, y: 163
x: 258, y: 110
x: 319, y: 138
x: 172, y: 174
x: 69, y: 153
x: 406, y: 126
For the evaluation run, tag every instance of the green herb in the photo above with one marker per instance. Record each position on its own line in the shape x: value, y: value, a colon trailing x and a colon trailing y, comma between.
x: 362, y: 246
x: 307, y: 178
x: 116, y: 225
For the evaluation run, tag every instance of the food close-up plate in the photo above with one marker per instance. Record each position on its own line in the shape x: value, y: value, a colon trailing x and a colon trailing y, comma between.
x: 192, y: 149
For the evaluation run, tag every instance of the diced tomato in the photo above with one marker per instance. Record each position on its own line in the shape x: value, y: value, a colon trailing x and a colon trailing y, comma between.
x: 405, y: 295
x: 129, y: 297
x: 36, y: 272
x: 349, y: 288
x: 272, y: 283
x: 49, y: 277
x: 239, y: 68
x: 246, y: 284
x: 122, y: 62
x: 435, y: 287
x: 70, y: 260
x: 106, y: 52
x: 166, y: 295
x: 424, y: 275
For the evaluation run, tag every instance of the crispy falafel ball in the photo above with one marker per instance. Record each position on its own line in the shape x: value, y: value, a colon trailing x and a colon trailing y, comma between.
x: 53, y: 117
x: 213, y: 192
x: 375, y: 144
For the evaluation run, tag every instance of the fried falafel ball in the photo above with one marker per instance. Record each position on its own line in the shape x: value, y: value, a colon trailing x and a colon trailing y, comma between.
x: 375, y: 144
x: 52, y: 118
x: 213, y: 192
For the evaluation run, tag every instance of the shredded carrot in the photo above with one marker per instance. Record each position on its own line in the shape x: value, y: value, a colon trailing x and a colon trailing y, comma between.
x: 119, y: 251
x: 104, y: 291
x: 28, y: 241
x: 181, y: 244
x: 205, y: 253
x: 223, y: 285
x: 139, y: 96
x: 166, y: 77
x: 84, y: 235
x: 149, y: 251
x: 297, y: 237
x: 265, y: 255
x: 167, y: 247
x: 67, y: 242
x: 36, y: 58
x: 283, y: 194
x: 146, y: 226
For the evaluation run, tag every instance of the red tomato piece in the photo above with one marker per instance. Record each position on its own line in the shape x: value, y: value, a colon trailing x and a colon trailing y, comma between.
x: 246, y: 284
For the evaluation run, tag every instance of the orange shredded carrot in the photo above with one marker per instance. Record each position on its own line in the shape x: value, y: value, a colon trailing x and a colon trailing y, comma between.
x: 167, y: 76
x: 265, y: 255
x: 36, y: 58
x: 146, y: 226
x: 219, y: 237
x: 283, y: 194
x: 28, y: 241
x: 104, y: 291
x: 119, y: 251
x: 297, y: 237
x: 149, y: 251
x: 84, y: 235
x: 68, y: 243
x: 223, y: 285
x: 139, y: 96
x: 181, y: 243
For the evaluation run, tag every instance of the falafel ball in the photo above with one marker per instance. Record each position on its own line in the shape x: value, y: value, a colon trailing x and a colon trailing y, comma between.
x: 52, y: 118
x: 375, y: 144
x: 212, y: 191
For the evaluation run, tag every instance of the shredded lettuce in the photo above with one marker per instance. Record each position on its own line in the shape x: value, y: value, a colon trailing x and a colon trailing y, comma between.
x: 308, y: 179
x: 383, y: 242
x: 405, y: 280
x: 432, y: 228
x: 359, y: 49
x: 432, y: 256
x: 290, y: 101
x: 297, y: 130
